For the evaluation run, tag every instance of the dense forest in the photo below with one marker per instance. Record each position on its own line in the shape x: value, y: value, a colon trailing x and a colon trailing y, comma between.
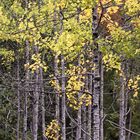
x: 69, y: 69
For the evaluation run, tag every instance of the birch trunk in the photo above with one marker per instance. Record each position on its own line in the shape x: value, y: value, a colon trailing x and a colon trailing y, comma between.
x: 36, y: 102
x: 79, y: 114
x: 18, y: 101
x: 25, y: 117
x: 42, y: 103
x: 96, y: 85
x: 126, y: 98
x: 57, y: 98
x: 63, y: 105
x: 96, y: 117
x: 84, y: 122
x: 42, y: 91
x: 79, y: 127
x: 89, y: 111
x: 56, y: 73
x: 84, y: 114
x: 101, y: 101
x: 63, y: 100
x: 122, y: 109
x: 26, y: 94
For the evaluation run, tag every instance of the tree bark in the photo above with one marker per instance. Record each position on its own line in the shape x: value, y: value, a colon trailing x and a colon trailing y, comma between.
x: 84, y: 114
x: 122, y: 122
x: 63, y: 100
x: 36, y: 102
x: 101, y: 100
x: 56, y: 74
x: 42, y: 103
x: 26, y: 94
x: 84, y: 122
x: 57, y: 98
x: 96, y: 98
x: 18, y: 99
x: 79, y: 114
x: 89, y: 110
x: 96, y: 85
x: 79, y: 127
x: 126, y: 97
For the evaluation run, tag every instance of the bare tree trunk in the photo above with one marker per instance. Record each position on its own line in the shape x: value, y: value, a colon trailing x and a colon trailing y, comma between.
x: 56, y: 73
x: 42, y: 103
x: 101, y: 101
x: 84, y: 120
x: 126, y: 96
x: 96, y: 86
x: 89, y: 111
x: 79, y: 116
x: 18, y: 99
x: 84, y: 114
x: 122, y: 122
x: 25, y: 117
x: 63, y: 100
x: 36, y: 102
x: 96, y: 97
x: 79, y: 127
x: 26, y: 94
x: 57, y: 98
x: 42, y: 91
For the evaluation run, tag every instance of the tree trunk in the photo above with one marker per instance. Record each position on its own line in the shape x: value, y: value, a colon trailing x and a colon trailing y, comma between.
x: 84, y: 120
x: 84, y: 114
x: 18, y: 100
x: 26, y: 94
x: 96, y: 97
x: 79, y: 114
x: 89, y: 111
x: 63, y: 100
x: 101, y: 100
x: 122, y: 122
x: 36, y: 102
x: 126, y: 97
x: 57, y: 98
x: 79, y: 127
x: 56, y: 73
x: 42, y: 103
x: 96, y: 85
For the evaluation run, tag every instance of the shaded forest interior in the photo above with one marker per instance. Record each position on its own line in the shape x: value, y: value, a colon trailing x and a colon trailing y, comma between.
x: 69, y: 70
